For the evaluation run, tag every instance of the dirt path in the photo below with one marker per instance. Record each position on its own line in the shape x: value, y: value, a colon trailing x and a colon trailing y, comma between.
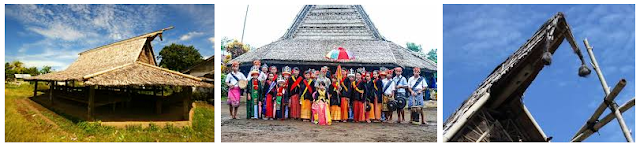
x: 37, y: 110
x: 242, y: 130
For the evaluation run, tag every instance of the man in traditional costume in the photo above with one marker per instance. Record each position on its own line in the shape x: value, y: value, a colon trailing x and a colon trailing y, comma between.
x: 294, y: 93
x: 352, y: 93
x: 418, y: 86
x: 232, y: 80
x: 388, y: 88
x: 306, y: 96
x: 401, y: 92
x: 286, y: 74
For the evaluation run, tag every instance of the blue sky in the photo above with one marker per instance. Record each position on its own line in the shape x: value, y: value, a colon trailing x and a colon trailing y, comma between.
x: 53, y: 35
x: 477, y: 38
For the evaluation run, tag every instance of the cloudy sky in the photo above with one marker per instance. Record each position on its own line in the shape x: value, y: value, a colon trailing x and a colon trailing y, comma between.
x: 477, y: 38
x: 53, y: 35
x: 397, y: 23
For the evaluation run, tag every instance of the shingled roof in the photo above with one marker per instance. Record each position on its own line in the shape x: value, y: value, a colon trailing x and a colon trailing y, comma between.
x: 127, y: 62
x: 319, y: 29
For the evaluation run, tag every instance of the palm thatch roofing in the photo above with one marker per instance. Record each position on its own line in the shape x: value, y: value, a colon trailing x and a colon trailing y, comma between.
x: 126, y: 62
x: 319, y: 29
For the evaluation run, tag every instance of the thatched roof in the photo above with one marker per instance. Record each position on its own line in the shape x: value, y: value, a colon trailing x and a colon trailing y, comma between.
x: 124, y: 57
x: 513, y: 76
x: 319, y: 29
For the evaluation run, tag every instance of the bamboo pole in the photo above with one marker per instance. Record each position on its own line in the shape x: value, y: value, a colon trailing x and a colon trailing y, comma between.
x: 584, y: 135
x: 608, y: 102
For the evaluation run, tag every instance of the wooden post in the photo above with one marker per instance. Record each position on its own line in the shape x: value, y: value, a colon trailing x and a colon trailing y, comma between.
x: 90, y: 108
x: 35, y: 89
x: 186, y: 101
x: 51, y: 83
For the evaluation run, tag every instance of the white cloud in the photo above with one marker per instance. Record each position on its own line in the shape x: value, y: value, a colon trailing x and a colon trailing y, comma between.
x: 190, y: 35
x: 61, y: 31
x: 213, y: 42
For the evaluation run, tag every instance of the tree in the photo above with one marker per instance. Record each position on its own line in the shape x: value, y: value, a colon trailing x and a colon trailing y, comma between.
x: 414, y: 47
x: 45, y: 70
x: 433, y: 55
x: 179, y: 57
x: 236, y: 48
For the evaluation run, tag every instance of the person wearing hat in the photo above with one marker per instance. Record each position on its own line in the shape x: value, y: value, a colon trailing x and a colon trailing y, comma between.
x: 286, y: 75
x: 254, y: 91
x: 278, y: 99
x: 306, y: 96
x: 388, y: 87
x: 418, y: 86
x: 401, y: 92
x: 321, y: 113
x: 263, y: 73
x: 345, y: 95
x: 294, y: 84
x: 232, y: 80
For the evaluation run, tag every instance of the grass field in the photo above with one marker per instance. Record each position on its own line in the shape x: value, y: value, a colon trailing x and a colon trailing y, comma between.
x: 25, y: 122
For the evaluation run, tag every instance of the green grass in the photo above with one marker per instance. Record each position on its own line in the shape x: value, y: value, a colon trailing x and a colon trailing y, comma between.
x: 22, y: 125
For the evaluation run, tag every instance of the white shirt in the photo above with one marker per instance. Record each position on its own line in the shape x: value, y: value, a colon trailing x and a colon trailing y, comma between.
x: 413, y: 80
x: 403, y: 82
x: 233, y: 81
x: 392, y: 86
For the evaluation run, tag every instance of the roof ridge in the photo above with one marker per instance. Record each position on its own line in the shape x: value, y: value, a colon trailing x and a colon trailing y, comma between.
x: 154, y: 33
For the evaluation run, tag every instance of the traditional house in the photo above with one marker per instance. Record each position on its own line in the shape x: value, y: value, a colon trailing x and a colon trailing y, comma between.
x: 202, y: 70
x: 119, y: 72
x: 319, y: 29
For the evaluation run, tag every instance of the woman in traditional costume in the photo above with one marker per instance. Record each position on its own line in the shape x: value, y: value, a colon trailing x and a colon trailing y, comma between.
x: 321, y: 113
x: 232, y: 80
x: 306, y: 96
x: 270, y: 91
x: 334, y: 95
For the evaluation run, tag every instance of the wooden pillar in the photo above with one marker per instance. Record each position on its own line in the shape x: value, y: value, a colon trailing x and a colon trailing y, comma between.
x: 186, y: 101
x: 90, y: 108
x: 51, y: 87
x: 35, y: 89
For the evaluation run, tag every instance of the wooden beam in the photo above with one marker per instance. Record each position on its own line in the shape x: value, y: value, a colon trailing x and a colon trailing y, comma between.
x: 91, y: 103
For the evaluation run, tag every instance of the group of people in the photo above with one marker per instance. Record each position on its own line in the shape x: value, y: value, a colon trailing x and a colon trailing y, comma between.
x: 321, y: 97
